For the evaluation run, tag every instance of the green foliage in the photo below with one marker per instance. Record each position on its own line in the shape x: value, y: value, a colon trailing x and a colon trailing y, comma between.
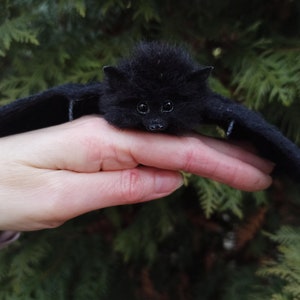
x: 271, y: 76
x: 205, y: 241
x: 140, y: 239
x: 41, y: 270
x: 216, y: 196
x: 16, y: 30
x: 287, y: 268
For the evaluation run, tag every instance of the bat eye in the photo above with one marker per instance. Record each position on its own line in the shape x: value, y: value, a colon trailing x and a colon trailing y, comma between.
x: 143, y: 108
x: 168, y: 106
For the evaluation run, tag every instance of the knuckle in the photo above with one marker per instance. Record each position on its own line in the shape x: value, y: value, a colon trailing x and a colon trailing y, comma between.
x: 92, y: 151
x: 88, y: 139
x: 132, y: 189
x: 188, y: 160
x: 192, y: 154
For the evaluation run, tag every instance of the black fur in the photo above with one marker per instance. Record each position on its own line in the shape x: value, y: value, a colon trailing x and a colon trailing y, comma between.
x: 155, y: 74
x: 159, y: 88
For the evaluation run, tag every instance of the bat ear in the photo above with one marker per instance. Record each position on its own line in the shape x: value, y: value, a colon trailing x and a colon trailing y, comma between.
x: 200, y: 75
x: 115, y: 77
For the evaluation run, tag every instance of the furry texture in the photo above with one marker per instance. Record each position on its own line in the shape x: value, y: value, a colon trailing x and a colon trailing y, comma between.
x: 158, y: 88
x: 164, y: 80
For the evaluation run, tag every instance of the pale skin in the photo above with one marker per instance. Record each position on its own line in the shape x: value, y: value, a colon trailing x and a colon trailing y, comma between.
x: 51, y: 175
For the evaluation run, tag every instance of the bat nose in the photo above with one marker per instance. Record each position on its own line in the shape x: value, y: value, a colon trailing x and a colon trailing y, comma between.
x: 156, y: 125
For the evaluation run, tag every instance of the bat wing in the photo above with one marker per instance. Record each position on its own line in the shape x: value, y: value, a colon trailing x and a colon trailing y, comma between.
x: 241, y: 123
x: 51, y: 107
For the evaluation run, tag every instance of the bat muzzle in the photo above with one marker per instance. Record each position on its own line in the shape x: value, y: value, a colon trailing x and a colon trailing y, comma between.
x: 156, y: 125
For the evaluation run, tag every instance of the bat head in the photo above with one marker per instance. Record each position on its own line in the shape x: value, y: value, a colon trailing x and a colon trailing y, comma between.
x: 159, y: 88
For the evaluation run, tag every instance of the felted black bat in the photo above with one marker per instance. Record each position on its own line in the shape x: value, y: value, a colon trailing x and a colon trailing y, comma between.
x: 160, y: 88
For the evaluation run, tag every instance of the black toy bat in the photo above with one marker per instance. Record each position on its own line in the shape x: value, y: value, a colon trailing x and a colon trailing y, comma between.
x: 160, y: 88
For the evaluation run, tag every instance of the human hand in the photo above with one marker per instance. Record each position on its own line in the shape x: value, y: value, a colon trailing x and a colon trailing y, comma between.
x: 53, y: 174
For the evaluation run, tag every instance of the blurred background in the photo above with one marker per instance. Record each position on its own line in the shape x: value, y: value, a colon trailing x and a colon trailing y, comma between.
x: 206, y: 241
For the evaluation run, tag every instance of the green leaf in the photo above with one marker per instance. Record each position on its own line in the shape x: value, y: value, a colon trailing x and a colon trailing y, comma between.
x: 16, y: 30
